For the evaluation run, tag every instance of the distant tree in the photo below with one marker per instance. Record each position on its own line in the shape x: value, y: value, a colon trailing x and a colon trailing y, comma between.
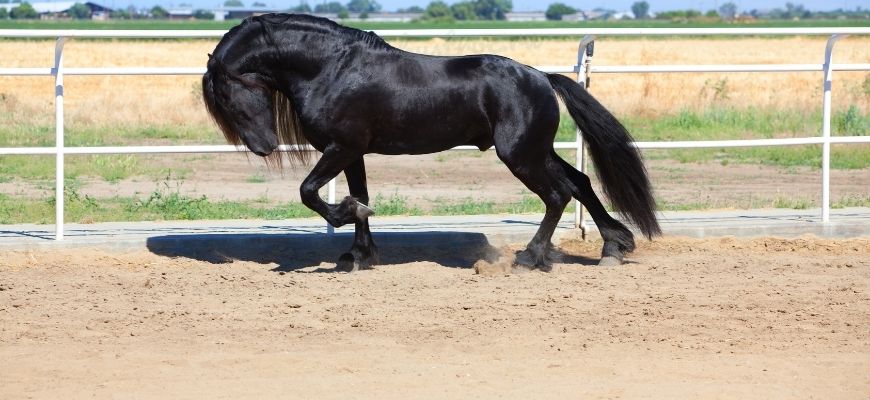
x: 712, y: 14
x: 233, y: 3
x: 793, y: 11
x: 79, y: 11
x: 363, y: 5
x: 556, y: 10
x: 3, y: 13
x: 203, y: 14
x: 4, y: 2
x: 412, y: 9
x: 492, y: 9
x: 119, y: 14
x: 678, y: 14
x: 343, y: 14
x: 728, y: 11
x: 640, y: 9
x: 258, y: 4
x: 134, y: 13
x: 158, y: 12
x: 438, y: 10
x: 332, y: 7
x: 23, y: 11
x: 463, y: 11
x: 303, y: 7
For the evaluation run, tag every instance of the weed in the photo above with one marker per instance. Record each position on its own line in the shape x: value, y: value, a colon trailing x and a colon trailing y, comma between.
x: 851, y: 122
x: 256, y: 178
x: 796, y: 204
x: 851, y: 201
x: 719, y: 88
x: 467, y: 206
x: 114, y: 168
x: 393, y: 205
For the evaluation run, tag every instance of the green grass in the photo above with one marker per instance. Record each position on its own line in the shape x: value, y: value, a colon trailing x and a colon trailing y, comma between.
x: 257, y: 178
x: 712, y: 124
x: 111, y: 168
x: 159, y: 205
x: 775, y: 202
x: 393, y: 205
x: 166, y: 204
x: 14, y: 134
x: 852, y: 201
x: 749, y: 123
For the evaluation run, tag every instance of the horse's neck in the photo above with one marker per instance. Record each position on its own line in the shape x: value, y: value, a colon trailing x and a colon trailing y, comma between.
x: 291, y: 57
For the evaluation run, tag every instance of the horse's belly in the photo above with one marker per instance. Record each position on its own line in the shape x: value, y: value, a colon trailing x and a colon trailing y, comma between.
x: 426, y: 141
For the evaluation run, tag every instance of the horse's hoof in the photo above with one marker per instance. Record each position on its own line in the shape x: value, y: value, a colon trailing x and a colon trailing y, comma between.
x: 609, y: 261
x: 345, y: 263
x: 527, y: 262
x: 363, y: 211
x: 348, y: 263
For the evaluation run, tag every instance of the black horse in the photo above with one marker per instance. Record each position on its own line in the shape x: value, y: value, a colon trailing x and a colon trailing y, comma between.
x: 297, y: 79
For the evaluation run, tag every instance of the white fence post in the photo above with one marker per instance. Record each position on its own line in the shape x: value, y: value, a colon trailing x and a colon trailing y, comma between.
x: 826, y: 128
x: 584, y: 58
x: 58, y: 138
x: 330, y: 198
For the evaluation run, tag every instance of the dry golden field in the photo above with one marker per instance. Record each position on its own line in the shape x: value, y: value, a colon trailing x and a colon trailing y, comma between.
x: 174, y: 100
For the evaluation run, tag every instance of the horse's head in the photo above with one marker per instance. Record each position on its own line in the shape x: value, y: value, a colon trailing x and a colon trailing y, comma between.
x: 242, y: 107
x: 251, y: 112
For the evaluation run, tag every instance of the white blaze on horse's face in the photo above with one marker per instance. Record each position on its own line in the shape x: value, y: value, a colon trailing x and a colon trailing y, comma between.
x: 254, y: 120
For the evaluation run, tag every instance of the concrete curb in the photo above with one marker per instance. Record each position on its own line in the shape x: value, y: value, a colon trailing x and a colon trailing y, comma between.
x: 495, y: 230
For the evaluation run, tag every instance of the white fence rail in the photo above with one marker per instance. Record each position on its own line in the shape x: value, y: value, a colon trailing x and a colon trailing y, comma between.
x: 582, y: 68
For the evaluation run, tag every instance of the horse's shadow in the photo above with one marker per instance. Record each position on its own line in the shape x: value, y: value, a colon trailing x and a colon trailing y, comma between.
x: 294, y: 252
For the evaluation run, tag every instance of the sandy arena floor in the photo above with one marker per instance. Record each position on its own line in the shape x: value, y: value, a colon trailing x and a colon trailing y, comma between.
x: 715, y: 318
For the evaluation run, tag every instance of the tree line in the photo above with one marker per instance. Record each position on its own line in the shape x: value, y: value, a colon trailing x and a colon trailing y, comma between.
x: 466, y: 10
x: 726, y: 11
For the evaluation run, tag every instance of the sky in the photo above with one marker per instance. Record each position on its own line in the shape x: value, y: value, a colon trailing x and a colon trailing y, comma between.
x: 537, y: 5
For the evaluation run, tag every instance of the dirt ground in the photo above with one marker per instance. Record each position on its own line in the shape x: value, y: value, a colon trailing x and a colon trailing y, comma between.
x: 685, y: 318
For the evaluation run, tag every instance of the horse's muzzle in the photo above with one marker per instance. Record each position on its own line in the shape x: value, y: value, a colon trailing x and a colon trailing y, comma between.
x: 261, y: 152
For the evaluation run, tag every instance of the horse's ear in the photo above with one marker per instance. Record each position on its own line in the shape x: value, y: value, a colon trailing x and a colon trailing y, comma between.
x: 212, y: 62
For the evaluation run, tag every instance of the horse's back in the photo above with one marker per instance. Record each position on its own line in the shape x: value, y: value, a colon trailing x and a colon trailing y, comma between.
x: 405, y: 103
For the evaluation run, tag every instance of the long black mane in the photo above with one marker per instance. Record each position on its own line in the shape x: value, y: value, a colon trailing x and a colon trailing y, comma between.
x: 287, y: 123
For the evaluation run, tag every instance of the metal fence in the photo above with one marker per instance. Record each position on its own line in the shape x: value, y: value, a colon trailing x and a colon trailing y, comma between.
x: 582, y: 68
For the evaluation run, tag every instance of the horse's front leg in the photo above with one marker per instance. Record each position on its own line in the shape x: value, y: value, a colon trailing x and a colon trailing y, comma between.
x: 363, y: 254
x: 333, y: 161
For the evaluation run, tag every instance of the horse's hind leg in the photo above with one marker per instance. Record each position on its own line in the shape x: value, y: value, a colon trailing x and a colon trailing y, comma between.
x: 618, y: 240
x: 531, y: 165
x: 363, y: 254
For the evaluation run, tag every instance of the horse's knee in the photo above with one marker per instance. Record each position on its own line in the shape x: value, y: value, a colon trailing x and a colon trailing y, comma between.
x: 308, y: 193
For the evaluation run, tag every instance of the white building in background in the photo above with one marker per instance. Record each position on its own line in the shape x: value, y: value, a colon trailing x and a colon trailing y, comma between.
x: 526, y: 16
x: 622, y: 15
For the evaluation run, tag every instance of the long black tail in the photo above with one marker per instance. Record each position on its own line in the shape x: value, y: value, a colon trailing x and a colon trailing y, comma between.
x: 617, y: 162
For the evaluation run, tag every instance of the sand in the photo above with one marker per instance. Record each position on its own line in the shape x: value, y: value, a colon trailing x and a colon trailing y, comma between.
x: 684, y: 318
